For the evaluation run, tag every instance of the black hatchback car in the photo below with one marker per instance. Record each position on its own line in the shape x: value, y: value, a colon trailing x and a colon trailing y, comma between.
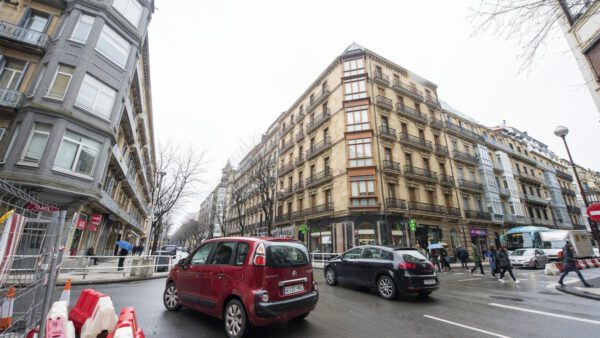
x: 392, y: 271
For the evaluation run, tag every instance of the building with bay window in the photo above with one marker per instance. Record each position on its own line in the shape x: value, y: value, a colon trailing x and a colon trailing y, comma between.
x: 76, y: 113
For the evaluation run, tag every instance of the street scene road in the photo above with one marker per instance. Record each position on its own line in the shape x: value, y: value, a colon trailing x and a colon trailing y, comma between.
x: 465, y: 306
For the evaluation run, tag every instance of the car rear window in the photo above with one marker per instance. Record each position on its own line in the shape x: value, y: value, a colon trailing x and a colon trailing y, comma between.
x: 521, y: 252
x: 412, y: 256
x: 282, y: 255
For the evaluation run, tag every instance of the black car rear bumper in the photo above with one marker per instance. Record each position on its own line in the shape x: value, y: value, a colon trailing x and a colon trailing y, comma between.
x: 416, y: 284
x: 274, y: 309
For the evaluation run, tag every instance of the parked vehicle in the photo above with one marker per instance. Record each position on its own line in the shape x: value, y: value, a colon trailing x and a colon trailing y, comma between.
x: 391, y: 271
x: 523, y: 237
x: 529, y: 258
x: 162, y: 260
x: 245, y: 281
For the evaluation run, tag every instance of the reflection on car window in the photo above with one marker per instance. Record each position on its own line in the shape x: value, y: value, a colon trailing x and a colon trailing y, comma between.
x: 282, y: 255
x: 413, y: 257
x: 353, y: 254
x: 371, y: 253
x: 202, y: 253
x: 224, y: 253
x: 242, y: 252
x: 387, y: 255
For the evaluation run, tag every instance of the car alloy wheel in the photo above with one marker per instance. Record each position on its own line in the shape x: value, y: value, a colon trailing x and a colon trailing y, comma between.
x: 235, y: 319
x: 330, y: 276
x: 170, y: 298
x: 386, y: 287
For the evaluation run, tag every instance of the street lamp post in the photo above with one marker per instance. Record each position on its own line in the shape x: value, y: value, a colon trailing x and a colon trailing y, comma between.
x: 562, y: 132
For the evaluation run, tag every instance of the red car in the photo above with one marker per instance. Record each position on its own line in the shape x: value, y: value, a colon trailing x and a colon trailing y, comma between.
x: 245, y: 281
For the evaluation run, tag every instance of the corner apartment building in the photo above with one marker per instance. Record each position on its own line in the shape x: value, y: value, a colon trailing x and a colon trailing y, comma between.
x: 214, y: 207
x: 369, y: 149
x: 581, y: 27
x: 76, y: 113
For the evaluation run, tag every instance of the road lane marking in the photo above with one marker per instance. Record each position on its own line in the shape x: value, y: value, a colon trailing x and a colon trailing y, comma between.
x: 590, y: 321
x: 466, y: 326
x: 464, y: 280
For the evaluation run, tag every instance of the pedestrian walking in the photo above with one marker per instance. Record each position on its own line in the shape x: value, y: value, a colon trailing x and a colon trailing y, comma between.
x: 435, y: 259
x: 444, y: 260
x: 504, y: 262
x: 123, y: 253
x: 463, y: 256
x: 477, y: 259
x: 570, y: 264
x: 91, y: 255
x: 420, y: 249
x: 493, y: 257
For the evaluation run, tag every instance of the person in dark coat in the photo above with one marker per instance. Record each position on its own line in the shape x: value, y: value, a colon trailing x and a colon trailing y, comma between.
x: 477, y: 259
x: 504, y: 262
x: 123, y: 253
x: 494, y: 266
x: 570, y: 264
x: 463, y: 257
x: 435, y: 259
x: 90, y: 253
x: 444, y: 260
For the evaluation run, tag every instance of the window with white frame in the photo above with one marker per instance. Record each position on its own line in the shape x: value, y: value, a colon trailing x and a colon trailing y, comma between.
x: 36, y: 143
x: 113, y: 46
x: 354, y: 67
x: 363, y: 191
x: 96, y: 97
x: 359, y: 152
x: 355, y: 88
x: 82, y: 28
x: 77, y: 153
x: 357, y: 118
x: 131, y: 10
x: 61, y: 82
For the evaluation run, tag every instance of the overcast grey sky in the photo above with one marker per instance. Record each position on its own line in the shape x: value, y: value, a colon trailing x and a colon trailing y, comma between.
x: 222, y: 71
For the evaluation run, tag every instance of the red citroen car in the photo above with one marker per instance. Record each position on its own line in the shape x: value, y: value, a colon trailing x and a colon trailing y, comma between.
x: 245, y: 281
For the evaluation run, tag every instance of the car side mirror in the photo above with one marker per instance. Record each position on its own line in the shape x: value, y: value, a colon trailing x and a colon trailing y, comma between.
x: 182, y: 263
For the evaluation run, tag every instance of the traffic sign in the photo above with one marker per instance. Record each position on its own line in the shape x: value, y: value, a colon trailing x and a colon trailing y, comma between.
x: 593, y: 211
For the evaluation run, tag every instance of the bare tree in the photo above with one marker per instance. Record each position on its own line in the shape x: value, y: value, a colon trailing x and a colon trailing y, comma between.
x: 530, y: 22
x: 262, y: 177
x: 177, y: 172
x: 238, y: 203
x: 189, y: 233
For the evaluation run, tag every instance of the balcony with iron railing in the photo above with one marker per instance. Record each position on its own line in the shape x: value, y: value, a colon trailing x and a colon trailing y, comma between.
x: 591, y: 190
x: 284, y: 193
x: 441, y: 150
x: 381, y: 78
x: 453, y: 212
x: 529, y: 178
x: 286, y: 128
x: 427, y: 208
x: 540, y: 221
x: 406, y: 89
x: 318, y: 178
x: 432, y: 101
x: 470, y: 185
x: 318, y: 120
x: 474, y: 214
x: 394, y: 203
x: 318, y: 148
x: 515, y: 219
x: 299, y: 160
x: 465, y: 157
x: 533, y: 198
x: 436, y: 123
x: 23, y: 35
x: 420, y: 173
x: 392, y: 167
x: 460, y: 131
x: 384, y: 103
x: 12, y: 99
x: 284, y: 218
x: 415, y: 142
x: 573, y: 209
x: 564, y: 175
x: 568, y: 192
x: 411, y: 113
x: 286, y: 146
x: 318, y: 99
x: 446, y: 180
x: 299, y: 136
x: 299, y: 186
x: 387, y: 132
x: 318, y: 210
x: 285, y: 168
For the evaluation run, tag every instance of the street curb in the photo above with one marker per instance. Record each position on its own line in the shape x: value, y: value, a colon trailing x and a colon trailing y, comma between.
x: 579, y: 293
x: 109, y: 281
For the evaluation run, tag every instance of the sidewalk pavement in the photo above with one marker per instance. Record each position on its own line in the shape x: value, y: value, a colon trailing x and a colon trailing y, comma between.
x: 575, y: 289
x: 102, y: 273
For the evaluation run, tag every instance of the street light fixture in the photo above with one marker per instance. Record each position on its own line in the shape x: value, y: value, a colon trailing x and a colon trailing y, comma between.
x: 562, y: 131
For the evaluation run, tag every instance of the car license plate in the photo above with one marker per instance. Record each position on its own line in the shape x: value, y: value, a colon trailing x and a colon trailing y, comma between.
x: 288, y: 290
x: 429, y: 282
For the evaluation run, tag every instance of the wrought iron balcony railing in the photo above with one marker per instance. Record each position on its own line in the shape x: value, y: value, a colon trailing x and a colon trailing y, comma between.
x: 384, y: 103
x: 392, y: 166
x: 457, y: 129
x: 318, y: 178
x: 426, y: 207
x: 318, y: 120
x: 318, y: 148
x: 394, y: 203
x: 381, y: 78
x: 11, y: 98
x: 411, y: 113
x: 24, y: 35
x: 421, y: 173
x: 465, y: 157
x: 387, y: 132
x: 406, y: 89
x: 416, y: 141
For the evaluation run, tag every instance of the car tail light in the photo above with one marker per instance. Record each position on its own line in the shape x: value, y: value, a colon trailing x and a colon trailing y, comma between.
x: 407, y: 266
x: 315, y: 287
x: 259, y: 255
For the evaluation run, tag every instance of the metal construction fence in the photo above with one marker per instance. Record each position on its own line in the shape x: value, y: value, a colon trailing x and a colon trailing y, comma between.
x: 30, y: 237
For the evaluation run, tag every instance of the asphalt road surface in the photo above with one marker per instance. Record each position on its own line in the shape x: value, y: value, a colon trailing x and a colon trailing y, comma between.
x: 465, y: 306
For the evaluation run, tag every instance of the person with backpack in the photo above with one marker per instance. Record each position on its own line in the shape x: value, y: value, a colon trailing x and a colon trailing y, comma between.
x: 493, y: 257
x: 477, y: 260
x: 505, y: 264
x: 444, y: 260
x: 570, y: 264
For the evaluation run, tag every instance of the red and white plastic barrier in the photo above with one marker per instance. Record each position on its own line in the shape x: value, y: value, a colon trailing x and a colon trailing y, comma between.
x: 127, y: 326
x: 58, y: 324
x: 93, y: 313
x: 557, y: 268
